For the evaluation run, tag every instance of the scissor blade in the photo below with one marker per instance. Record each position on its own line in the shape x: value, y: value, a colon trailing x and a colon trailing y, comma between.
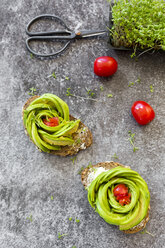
x: 93, y: 33
x: 46, y: 33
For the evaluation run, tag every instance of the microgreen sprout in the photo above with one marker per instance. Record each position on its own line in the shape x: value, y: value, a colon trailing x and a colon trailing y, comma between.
x: 90, y: 93
x: 151, y: 88
x: 133, y: 54
x: 31, y: 56
x: 73, y: 159
x: 74, y: 246
x: 145, y: 231
x: 67, y: 78
x: 115, y: 156
x: 62, y: 235
x: 130, y: 84
x: 132, y: 141
x: 133, y: 83
x: 68, y: 93
x: 139, y: 24
x: 51, y: 198
x: 54, y: 75
x: 101, y: 88
x: 89, y: 165
x: 138, y: 80
x: 77, y: 220
x: 109, y: 95
x: 32, y: 91
x: 70, y: 218
x: 81, y: 169
x: 29, y: 218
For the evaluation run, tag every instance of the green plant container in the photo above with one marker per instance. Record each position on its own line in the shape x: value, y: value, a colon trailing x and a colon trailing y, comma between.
x: 122, y: 48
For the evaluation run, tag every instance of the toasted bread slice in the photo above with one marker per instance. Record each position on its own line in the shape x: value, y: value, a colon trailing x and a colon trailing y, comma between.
x: 110, y: 165
x: 82, y: 138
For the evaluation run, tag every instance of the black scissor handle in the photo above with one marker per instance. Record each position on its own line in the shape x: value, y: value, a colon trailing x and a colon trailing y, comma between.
x: 47, y: 16
x: 42, y: 54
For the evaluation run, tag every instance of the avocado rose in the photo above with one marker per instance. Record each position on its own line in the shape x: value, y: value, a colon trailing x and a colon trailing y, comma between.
x: 48, y: 123
x: 101, y: 195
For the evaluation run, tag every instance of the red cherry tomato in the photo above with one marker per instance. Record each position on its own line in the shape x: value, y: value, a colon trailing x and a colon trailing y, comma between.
x: 105, y: 66
x: 51, y: 122
x: 121, y: 194
x: 120, y: 191
x: 125, y: 200
x: 142, y: 112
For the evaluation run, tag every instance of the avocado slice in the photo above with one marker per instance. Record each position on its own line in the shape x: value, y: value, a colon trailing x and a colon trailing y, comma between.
x: 61, y: 141
x: 143, y: 208
x: 36, y: 138
x: 68, y: 129
x: 73, y: 128
x: 53, y: 100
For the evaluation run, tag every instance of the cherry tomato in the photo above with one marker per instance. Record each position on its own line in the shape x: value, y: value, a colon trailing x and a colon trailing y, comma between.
x: 121, y: 194
x: 142, y: 112
x: 105, y: 66
x: 51, y: 122
x: 120, y: 190
x: 125, y: 200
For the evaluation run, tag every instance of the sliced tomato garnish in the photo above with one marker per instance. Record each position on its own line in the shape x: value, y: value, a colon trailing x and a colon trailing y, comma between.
x: 51, y: 122
x: 120, y: 190
x: 125, y: 200
x: 121, y: 194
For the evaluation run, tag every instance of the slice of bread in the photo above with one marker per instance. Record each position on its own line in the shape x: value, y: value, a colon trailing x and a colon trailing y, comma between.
x: 110, y: 165
x: 82, y: 138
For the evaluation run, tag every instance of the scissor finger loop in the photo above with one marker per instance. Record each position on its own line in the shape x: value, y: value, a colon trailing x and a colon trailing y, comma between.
x: 47, y: 16
x: 42, y: 54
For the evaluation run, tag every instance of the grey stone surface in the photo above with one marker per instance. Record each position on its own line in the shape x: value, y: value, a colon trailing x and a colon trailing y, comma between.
x: 29, y: 178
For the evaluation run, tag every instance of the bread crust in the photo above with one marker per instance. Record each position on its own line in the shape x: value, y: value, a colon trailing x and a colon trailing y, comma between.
x: 108, y: 166
x: 83, y: 134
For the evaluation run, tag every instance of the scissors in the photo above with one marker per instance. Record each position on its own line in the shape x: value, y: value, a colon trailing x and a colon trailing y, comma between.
x: 63, y: 35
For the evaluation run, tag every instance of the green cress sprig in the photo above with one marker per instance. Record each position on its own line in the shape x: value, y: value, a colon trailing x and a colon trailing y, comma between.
x: 147, y: 232
x: 68, y: 93
x: 138, y: 24
x: 132, y: 141
x: 32, y: 91
x: 61, y: 235
x: 30, y: 218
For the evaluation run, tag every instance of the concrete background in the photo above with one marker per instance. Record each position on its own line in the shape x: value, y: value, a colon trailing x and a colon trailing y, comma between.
x: 29, y: 178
